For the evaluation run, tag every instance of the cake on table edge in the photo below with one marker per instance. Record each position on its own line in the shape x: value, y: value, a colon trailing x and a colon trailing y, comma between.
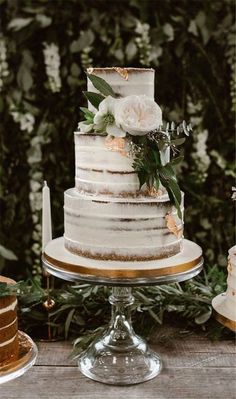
x: 230, y: 295
x: 9, y: 343
x: 225, y: 304
x: 109, y: 214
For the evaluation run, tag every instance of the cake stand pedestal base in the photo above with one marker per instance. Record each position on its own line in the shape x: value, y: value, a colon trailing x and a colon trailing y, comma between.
x: 120, y: 357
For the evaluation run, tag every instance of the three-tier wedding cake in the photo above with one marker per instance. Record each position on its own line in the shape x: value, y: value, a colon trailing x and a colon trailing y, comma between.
x: 126, y: 204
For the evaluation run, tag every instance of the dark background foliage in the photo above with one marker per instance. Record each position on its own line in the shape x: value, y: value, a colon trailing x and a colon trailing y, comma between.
x: 190, y: 44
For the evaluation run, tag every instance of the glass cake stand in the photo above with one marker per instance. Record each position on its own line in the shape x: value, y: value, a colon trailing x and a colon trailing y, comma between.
x: 119, y: 356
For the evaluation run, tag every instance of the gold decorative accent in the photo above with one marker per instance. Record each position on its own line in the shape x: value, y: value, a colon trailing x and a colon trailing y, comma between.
x: 90, y: 70
x: 229, y: 267
x: 122, y: 72
x: 116, y: 144
x: 172, y: 226
x: 153, y: 192
x: 49, y: 304
x: 231, y: 324
x: 125, y: 273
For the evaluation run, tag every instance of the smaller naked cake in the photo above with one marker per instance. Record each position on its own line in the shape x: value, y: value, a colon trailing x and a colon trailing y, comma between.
x: 230, y: 302
x: 8, y: 325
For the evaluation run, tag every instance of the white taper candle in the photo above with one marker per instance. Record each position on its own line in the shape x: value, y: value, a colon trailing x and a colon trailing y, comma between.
x: 46, y: 217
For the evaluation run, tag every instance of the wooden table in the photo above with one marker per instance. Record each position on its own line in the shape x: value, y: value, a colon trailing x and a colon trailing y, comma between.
x: 194, y: 368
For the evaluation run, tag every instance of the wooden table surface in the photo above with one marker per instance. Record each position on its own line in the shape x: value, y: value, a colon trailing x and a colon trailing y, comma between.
x: 194, y: 368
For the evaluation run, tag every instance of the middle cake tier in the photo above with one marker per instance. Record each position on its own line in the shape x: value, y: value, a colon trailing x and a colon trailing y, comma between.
x: 121, y: 228
x: 104, y: 166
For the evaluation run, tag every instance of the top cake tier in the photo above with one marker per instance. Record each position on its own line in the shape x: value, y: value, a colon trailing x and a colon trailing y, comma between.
x: 103, y: 165
x: 125, y: 81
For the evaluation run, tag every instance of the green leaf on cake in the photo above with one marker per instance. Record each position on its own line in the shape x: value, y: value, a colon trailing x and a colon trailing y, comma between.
x: 167, y: 171
x: 174, y: 192
x: 156, y: 184
x: 178, y: 141
x: 87, y: 112
x: 94, y: 98
x: 169, y: 181
x: 89, y: 115
x: 142, y: 178
x: 101, y: 85
x: 177, y: 160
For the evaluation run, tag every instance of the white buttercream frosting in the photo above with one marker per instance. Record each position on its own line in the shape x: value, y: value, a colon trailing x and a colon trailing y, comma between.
x: 125, y: 228
x: 106, y: 214
x: 138, y: 81
x: 230, y: 301
x: 100, y: 170
x: 9, y: 307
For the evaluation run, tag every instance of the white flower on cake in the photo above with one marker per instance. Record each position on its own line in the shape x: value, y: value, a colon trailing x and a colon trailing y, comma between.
x: 137, y: 115
x: 85, y: 127
x: 104, y: 119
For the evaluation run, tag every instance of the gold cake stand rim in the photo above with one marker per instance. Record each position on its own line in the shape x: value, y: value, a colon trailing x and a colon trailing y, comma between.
x: 123, y: 273
x: 225, y: 321
x: 219, y: 313
x: 57, y: 259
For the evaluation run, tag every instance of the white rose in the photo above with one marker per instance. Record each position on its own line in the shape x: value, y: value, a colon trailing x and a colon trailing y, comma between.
x: 137, y: 115
x: 104, y: 119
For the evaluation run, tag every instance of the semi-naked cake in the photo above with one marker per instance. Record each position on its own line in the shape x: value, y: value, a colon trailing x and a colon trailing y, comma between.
x: 8, y: 326
x: 230, y: 299
x: 225, y: 304
x: 107, y: 215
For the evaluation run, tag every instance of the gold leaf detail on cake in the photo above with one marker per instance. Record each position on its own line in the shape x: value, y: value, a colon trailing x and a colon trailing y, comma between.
x: 116, y: 144
x: 172, y: 226
x: 153, y: 192
x: 122, y: 72
x: 229, y: 268
x: 90, y: 70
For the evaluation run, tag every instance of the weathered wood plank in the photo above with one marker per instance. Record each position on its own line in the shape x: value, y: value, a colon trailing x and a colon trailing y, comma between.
x: 194, y: 368
x: 176, y: 349
x: 68, y: 383
x: 177, y: 355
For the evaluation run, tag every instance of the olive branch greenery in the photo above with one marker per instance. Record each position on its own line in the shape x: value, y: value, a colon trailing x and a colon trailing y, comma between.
x: 82, y: 311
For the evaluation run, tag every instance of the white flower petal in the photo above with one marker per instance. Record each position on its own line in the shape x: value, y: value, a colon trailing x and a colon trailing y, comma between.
x: 115, y: 131
x: 138, y: 115
x: 85, y: 128
x: 98, y: 118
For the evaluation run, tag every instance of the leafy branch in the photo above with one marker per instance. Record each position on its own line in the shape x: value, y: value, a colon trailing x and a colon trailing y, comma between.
x: 148, y: 163
x: 82, y: 310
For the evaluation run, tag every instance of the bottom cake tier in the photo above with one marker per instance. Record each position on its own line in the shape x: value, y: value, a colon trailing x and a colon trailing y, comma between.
x: 126, y: 229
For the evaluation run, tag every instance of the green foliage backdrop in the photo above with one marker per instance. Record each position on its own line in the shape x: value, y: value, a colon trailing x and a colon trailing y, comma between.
x: 44, y: 48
